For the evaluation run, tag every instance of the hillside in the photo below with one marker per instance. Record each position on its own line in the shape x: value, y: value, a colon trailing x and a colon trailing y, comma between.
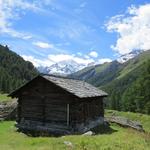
x: 98, y: 75
x: 14, y: 70
x: 127, y: 84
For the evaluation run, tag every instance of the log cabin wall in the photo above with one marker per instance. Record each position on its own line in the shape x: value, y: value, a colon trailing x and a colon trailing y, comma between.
x: 86, y: 109
x: 44, y: 102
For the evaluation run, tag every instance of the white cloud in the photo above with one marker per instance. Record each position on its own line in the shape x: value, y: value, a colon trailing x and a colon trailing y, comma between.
x: 46, y: 45
x: 86, y: 56
x: 55, y: 58
x: 93, y: 54
x: 71, y: 30
x: 65, y: 57
x: 103, y: 60
x: 79, y: 53
x: 37, y: 62
x: 43, y: 45
x: 133, y: 29
x: 11, y: 10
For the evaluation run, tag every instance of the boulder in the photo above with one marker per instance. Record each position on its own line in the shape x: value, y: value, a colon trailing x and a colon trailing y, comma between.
x: 8, y: 110
x: 125, y: 122
x: 89, y: 133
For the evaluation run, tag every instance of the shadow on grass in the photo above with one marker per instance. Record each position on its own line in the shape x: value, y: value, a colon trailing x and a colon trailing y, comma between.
x: 103, y: 129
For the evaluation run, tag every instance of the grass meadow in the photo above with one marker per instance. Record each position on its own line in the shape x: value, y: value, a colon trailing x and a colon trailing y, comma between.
x: 118, y: 139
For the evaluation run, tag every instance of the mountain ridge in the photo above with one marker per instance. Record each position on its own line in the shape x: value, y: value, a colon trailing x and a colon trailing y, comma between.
x: 62, y: 68
x: 115, y: 78
x: 124, y: 58
x: 70, y: 66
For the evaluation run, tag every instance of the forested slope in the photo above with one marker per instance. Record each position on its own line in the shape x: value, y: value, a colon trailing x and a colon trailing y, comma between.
x: 14, y: 70
x: 131, y: 91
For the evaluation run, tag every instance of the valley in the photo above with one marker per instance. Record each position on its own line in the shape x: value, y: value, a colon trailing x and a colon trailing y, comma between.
x: 121, y: 80
x: 74, y: 75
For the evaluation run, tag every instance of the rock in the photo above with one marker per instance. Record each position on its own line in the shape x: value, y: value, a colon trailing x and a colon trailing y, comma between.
x: 89, y: 133
x: 125, y: 122
x: 8, y: 110
x: 68, y: 143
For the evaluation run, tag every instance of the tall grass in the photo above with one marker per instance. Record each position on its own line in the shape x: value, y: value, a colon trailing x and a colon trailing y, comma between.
x: 4, y: 97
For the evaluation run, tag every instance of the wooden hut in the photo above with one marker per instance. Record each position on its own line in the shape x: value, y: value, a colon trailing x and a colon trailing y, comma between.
x: 58, y: 105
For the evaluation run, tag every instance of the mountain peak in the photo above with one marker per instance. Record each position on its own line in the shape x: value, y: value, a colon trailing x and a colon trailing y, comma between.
x: 62, y: 67
x: 70, y: 66
x: 128, y: 56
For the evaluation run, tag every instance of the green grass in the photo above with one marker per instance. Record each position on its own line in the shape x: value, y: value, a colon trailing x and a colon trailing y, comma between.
x: 4, y: 97
x: 100, y: 68
x: 118, y: 139
x: 134, y: 63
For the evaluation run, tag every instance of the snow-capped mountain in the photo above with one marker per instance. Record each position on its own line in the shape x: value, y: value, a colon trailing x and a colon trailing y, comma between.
x: 70, y: 66
x: 128, y: 56
x: 62, y: 67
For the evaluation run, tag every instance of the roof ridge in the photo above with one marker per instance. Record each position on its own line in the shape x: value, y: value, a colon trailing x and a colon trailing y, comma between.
x: 78, y: 88
x: 59, y: 76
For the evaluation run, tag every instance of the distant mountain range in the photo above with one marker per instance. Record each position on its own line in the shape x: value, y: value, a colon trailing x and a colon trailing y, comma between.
x: 102, y: 74
x: 70, y: 66
x: 62, y: 68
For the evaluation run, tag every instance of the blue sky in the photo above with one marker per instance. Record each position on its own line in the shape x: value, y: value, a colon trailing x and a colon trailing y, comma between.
x: 49, y: 31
